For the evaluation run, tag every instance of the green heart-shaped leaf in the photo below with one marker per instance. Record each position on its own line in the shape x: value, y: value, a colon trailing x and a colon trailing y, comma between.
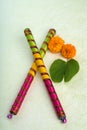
x: 72, y: 68
x: 57, y: 70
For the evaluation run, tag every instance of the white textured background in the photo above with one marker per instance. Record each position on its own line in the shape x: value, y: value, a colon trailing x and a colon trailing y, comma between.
x: 69, y: 18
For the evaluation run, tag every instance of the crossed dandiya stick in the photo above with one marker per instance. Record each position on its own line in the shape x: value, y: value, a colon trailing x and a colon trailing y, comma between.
x: 38, y: 64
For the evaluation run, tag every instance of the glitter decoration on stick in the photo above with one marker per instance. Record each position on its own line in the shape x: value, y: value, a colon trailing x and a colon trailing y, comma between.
x: 45, y: 76
x: 30, y: 76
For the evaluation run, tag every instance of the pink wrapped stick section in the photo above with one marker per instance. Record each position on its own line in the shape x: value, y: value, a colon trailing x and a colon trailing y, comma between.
x: 21, y: 95
x: 55, y: 100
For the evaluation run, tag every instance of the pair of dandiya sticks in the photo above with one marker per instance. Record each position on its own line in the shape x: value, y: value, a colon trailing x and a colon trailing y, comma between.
x: 38, y: 65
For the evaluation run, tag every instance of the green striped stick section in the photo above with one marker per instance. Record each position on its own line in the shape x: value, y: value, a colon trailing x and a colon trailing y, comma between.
x: 43, y: 48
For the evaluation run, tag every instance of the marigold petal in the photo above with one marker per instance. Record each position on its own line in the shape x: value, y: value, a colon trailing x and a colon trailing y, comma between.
x: 55, y: 45
x: 68, y: 51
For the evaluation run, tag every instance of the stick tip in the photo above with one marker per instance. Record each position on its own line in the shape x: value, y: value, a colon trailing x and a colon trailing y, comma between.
x: 63, y: 119
x: 27, y: 31
x: 52, y: 30
x: 9, y: 116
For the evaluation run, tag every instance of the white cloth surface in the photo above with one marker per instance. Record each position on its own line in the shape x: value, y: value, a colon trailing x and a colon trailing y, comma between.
x: 69, y: 18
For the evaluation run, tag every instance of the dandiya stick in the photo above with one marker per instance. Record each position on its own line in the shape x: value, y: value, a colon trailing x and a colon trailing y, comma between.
x: 30, y: 76
x: 45, y: 76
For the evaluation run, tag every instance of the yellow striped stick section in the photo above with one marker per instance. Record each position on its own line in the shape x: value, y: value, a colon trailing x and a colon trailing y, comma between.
x: 43, y: 49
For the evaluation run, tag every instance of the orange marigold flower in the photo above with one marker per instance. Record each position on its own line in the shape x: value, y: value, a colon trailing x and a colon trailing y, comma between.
x: 55, y: 44
x: 68, y: 51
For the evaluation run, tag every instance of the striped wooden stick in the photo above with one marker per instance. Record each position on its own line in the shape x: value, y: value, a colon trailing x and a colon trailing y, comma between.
x: 30, y: 76
x: 45, y: 76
